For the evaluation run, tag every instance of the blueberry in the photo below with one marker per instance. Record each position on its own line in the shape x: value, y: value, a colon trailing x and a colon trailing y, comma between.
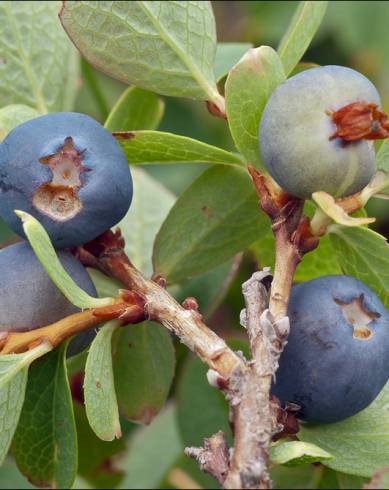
x: 28, y: 297
x: 336, y: 360
x: 67, y: 171
x: 296, y: 133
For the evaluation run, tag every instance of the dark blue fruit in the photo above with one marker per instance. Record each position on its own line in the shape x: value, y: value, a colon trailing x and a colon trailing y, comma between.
x: 28, y: 297
x: 296, y: 133
x: 337, y: 358
x: 67, y: 171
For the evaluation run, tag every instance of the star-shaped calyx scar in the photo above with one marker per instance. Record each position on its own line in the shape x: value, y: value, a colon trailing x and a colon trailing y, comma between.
x: 358, y: 317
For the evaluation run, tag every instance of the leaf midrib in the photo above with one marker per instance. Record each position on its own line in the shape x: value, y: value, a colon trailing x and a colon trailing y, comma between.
x: 184, y: 57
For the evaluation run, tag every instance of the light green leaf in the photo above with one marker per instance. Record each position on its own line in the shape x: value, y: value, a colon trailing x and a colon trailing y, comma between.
x: 300, y: 33
x: 135, y: 109
x: 37, y: 60
x: 45, y: 442
x: 249, y: 85
x: 152, y: 452
x: 382, y: 400
x: 144, y: 362
x: 13, y: 115
x: 217, y: 216
x: 383, y: 156
x: 359, y: 444
x: 156, y: 147
x: 227, y: 55
x: 99, y: 388
x: 295, y: 453
x: 150, y: 206
x: 47, y: 255
x: 105, y: 285
x: 13, y: 381
x: 363, y: 253
x: 166, y: 47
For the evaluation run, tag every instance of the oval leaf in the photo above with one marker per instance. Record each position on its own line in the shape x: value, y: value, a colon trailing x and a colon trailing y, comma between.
x: 135, y: 109
x: 99, y: 388
x: 13, y: 115
x: 13, y: 382
x: 44, y: 250
x: 166, y: 47
x: 144, y: 362
x: 156, y: 147
x: 150, y: 206
x: 249, y: 85
x: 300, y: 33
x: 45, y: 442
x: 217, y: 216
x: 363, y: 253
x: 295, y: 453
x: 38, y: 64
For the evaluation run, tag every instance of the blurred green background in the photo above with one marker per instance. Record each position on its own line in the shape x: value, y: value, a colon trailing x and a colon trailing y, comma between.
x: 353, y: 34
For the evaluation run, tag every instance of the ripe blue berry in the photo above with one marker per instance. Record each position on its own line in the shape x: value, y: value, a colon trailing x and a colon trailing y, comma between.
x: 67, y: 171
x: 315, y: 129
x: 336, y: 360
x: 28, y: 297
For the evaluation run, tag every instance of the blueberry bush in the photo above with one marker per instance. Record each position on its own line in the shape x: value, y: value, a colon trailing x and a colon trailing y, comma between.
x: 194, y: 268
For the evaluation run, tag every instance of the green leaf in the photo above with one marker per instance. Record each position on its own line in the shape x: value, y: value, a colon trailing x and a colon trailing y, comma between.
x: 363, y: 253
x: 383, y: 156
x: 144, y: 362
x: 295, y: 453
x: 105, y: 285
x: 166, y: 47
x: 201, y: 409
x: 217, y: 216
x: 135, y: 109
x: 150, y: 206
x: 11, y: 478
x: 156, y: 147
x: 13, y: 381
x: 44, y: 250
x: 99, y: 388
x: 249, y: 85
x: 13, y: 115
x: 45, y: 442
x: 38, y: 64
x: 227, y: 55
x: 380, y: 480
x: 319, y: 262
x: 152, y: 452
x: 358, y: 444
x: 300, y: 33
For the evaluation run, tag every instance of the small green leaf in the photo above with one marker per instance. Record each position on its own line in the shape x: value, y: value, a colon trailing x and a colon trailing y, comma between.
x: 156, y: 147
x: 218, y: 216
x: 99, y: 388
x: 150, y: 206
x: 13, y: 381
x: 165, y: 47
x: 227, y: 55
x: 13, y: 115
x: 363, y: 253
x: 201, y: 409
x: 40, y: 242
x: 359, y: 444
x: 45, y: 442
x: 38, y: 64
x: 135, y: 109
x: 144, y: 362
x: 249, y: 85
x: 105, y: 285
x: 383, y: 156
x: 152, y: 452
x: 295, y: 453
x: 300, y: 33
